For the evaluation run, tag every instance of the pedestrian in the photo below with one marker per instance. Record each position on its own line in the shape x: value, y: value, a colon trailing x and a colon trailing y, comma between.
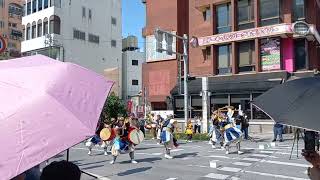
x: 242, y: 123
x: 197, y: 126
x: 153, y: 126
x: 159, y: 121
x: 189, y: 131
x: 277, y: 131
x: 62, y: 170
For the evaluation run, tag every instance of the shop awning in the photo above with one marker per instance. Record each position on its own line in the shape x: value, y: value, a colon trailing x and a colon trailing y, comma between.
x: 236, y: 83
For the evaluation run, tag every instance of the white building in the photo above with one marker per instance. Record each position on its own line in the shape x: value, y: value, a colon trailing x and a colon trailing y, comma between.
x: 132, y: 60
x: 85, y: 32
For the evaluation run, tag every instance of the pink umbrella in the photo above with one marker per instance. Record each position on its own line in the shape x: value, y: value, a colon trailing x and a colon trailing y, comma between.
x: 46, y: 107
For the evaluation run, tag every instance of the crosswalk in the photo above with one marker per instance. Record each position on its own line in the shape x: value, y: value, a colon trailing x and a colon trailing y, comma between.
x: 242, y: 167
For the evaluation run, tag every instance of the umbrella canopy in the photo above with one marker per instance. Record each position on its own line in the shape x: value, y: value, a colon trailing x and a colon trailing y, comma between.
x: 46, y: 107
x: 294, y: 103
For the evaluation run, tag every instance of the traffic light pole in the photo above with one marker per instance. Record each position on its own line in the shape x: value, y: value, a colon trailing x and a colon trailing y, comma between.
x: 185, y: 42
x: 185, y: 75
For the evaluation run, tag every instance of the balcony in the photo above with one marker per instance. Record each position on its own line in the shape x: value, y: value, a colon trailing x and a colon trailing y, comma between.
x: 39, y: 43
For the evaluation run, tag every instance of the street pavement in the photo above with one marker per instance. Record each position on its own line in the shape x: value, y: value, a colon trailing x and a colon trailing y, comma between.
x: 192, y: 162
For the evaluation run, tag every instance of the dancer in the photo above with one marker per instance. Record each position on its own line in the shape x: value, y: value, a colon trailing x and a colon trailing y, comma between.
x: 122, y: 143
x: 231, y: 133
x: 95, y: 140
x: 214, y: 132
x: 167, y: 137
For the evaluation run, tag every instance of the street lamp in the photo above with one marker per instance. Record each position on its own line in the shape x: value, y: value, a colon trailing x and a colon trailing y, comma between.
x: 302, y: 28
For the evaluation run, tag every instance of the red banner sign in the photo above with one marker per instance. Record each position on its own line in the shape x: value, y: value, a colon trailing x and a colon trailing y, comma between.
x: 266, y: 31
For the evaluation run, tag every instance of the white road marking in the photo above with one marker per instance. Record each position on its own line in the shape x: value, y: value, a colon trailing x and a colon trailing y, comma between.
x: 252, y: 159
x: 235, y: 178
x: 274, y: 175
x: 223, y: 157
x: 171, y: 179
x: 286, y: 163
x: 242, y: 164
x: 263, y: 155
x: 267, y: 152
x: 216, y: 176
x: 230, y: 169
x: 96, y: 175
x: 176, y: 150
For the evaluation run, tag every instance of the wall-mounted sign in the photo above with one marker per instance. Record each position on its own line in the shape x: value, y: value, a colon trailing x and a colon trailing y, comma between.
x: 2, y: 44
x: 153, y: 55
x: 270, y: 54
x: 261, y: 32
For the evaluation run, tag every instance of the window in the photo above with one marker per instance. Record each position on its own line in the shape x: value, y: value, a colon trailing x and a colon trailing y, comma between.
x: 299, y: 10
x: 300, y: 53
x: 34, y: 6
x: 113, y: 21
x: 79, y: 34
x: 39, y: 33
x: 269, y: 12
x: 245, y: 14
x: 90, y: 14
x: 2, y: 3
x: 223, y: 18
x: 83, y: 12
x: 135, y: 62
x: 206, y: 53
x: 1, y: 24
x: 28, y: 32
x: 28, y: 8
x: 45, y: 27
x: 224, y: 59
x: 33, y: 31
x: 246, y: 56
x: 15, y: 9
x: 46, y: 4
x: 14, y: 25
x: 207, y: 14
x: 113, y: 43
x: 93, y: 38
x: 39, y: 5
x: 135, y: 82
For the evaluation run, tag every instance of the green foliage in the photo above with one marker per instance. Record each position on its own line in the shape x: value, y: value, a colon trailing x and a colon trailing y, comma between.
x: 113, y: 108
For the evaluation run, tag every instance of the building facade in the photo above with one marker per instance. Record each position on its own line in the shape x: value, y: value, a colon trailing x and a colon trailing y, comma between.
x: 84, y: 32
x: 245, y: 47
x: 132, y: 60
x: 11, y: 12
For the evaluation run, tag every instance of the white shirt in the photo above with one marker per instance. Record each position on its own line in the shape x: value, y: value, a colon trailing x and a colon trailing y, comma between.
x: 198, y: 121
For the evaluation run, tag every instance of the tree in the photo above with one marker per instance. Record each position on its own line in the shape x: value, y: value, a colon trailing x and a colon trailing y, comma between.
x: 113, y: 107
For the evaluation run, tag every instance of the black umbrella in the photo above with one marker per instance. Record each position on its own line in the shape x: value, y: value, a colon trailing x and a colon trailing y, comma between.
x: 295, y: 103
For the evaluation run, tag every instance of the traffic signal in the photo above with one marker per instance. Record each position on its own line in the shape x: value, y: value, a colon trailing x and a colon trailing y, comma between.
x: 159, y: 39
x: 169, y: 42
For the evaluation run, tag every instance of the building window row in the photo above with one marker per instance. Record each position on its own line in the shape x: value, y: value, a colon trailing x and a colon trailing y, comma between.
x: 84, y: 14
x: 269, y: 14
x: 34, y: 6
x: 1, y: 3
x: 2, y: 24
x: 77, y: 34
x: 43, y: 27
x: 15, y: 10
x: 94, y: 38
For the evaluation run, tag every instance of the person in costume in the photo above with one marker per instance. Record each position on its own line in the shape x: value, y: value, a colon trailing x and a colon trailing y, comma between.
x: 214, y: 132
x: 167, y: 136
x: 96, y: 140
x: 189, y: 131
x: 231, y: 133
x: 121, y: 143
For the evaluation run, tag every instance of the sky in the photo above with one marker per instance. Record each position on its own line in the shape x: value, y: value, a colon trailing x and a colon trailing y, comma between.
x: 133, y: 19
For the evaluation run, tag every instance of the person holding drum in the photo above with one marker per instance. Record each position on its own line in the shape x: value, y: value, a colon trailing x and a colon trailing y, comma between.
x: 96, y: 138
x: 127, y: 137
x: 167, y: 137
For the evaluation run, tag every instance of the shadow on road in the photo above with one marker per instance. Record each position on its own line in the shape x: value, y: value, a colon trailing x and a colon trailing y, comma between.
x: 133, y: 171
x: 85, y: 164
x: 185, y: 155
x: 92, y: 167
x: 146, y: 148
x: 148, y: 160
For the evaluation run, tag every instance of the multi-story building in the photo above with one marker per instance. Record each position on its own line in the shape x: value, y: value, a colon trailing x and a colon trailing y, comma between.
x: 11, y: 12
x: 132, y: 60
x: 245, y: 48
x: 84, y: 32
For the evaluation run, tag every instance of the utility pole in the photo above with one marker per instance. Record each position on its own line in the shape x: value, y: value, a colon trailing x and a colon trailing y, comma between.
x: 161, y: 36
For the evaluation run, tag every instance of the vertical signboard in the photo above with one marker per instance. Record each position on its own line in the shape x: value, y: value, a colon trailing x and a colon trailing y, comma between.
x: 270, y: 54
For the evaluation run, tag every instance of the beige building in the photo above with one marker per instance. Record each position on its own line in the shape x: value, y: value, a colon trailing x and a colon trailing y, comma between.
x: 11, y: 12
x: 113, y: 74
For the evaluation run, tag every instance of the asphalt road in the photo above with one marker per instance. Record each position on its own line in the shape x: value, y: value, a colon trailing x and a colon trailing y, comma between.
x: 192, y: 162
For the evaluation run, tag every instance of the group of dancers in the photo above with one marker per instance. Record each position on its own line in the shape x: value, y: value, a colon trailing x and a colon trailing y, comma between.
x: 225, y: 128
x: 123, y: 134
